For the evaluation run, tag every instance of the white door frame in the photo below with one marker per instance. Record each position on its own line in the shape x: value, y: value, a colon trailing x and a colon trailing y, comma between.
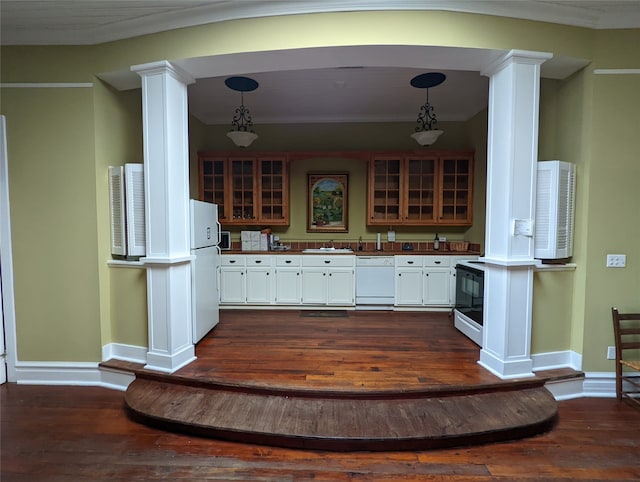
x: 8, y: 314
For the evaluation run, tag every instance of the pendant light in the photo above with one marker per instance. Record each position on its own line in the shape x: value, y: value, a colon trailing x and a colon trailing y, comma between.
x: 242, y: 134
x: 425, y: 134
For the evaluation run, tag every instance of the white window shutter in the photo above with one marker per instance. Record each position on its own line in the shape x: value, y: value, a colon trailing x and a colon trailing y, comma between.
x: 117, y: 210
x: 136, y: 237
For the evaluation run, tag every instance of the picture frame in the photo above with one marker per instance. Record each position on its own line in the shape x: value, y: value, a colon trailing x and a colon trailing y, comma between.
x: 327, y: 202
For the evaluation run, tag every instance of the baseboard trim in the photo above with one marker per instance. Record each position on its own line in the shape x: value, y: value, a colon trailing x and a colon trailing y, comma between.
x: 71, y: 374
x: 599, y: 385
x: 594, y: 384
x: 120, y: 351
x: 557, y: 359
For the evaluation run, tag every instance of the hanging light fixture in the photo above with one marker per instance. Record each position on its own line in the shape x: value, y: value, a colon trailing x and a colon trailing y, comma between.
x: 425, y: 134
x: 242, y: 134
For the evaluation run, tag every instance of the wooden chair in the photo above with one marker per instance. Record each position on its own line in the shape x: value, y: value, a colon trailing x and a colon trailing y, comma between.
x: 626, y: 328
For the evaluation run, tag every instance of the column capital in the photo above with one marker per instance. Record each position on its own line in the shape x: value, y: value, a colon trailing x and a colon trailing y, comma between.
x: 516, y: 57
x: 163, y: 66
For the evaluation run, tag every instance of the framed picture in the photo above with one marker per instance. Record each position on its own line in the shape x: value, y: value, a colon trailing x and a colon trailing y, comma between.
x: 327, y: 206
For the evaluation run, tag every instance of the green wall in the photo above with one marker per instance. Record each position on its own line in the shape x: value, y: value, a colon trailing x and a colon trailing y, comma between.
x: 50, y: 135
x: 68, y: 304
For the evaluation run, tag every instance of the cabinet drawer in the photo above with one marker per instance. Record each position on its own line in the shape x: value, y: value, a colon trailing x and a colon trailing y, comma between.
x: 258, y: 260
x: 284, y: 260
x: 232, y: 260
x: 437, y: 261
x: 329, y: 261
x: 409, y: 261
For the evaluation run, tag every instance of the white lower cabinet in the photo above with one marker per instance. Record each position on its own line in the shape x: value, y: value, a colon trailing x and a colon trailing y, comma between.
x: 259, y: 277
x: 409, y: 286
x: 328, y: 280
x: 436, y: 287
x: 341, y: 286
x: 314, y: 286
x: 232, y: 279
x: 288, y: 280
x: 423, y: 281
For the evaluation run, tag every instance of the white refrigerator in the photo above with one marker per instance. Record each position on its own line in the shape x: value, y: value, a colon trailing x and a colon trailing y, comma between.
x: 205, y: 237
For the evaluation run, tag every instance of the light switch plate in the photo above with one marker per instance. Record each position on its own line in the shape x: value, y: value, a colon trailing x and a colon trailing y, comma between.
x: 391, y: 236
x: 616, y: 260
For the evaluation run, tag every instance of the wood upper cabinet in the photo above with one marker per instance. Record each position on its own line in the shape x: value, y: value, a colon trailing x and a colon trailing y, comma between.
x: 247, y: 189
x: 421, y: 189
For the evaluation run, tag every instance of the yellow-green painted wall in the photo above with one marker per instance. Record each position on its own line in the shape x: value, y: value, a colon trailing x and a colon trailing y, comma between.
x: 118, y: 128
x: 68, y: 304
x: 50, y: 136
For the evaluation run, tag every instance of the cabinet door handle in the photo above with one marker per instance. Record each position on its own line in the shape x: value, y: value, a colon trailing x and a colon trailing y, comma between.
x: 437, y: 262
x: 232, y: 261
x: 409, y: 262
x: 327, y: 261
x: 258, y: 261
x: 267, y: 273
x: 288, y: 261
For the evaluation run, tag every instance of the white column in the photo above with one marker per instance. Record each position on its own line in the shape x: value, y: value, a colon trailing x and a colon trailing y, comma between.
x: 166, y: 176
x: 514, y: 94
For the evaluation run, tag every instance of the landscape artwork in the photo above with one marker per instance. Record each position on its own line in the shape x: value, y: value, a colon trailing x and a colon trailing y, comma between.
x: 327, y: 202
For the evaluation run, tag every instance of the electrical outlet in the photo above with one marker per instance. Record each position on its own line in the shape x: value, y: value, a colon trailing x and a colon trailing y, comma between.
x: 391, y: 236
x: 611, y: 353
x: 616, y: 260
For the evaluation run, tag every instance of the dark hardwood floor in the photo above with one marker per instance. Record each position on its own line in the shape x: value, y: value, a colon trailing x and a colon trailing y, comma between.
x: 365, y: 351
x: 52, y: 433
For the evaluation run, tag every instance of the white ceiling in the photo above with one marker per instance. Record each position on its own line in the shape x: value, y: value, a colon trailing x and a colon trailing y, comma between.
x: 345, y: 92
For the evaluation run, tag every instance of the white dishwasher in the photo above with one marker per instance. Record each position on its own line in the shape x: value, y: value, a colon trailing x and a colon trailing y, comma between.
x: 375, y: 282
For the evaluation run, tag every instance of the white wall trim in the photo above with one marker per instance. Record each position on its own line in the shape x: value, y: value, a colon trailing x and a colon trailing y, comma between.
x: 46, y: 85
x: 557, y: 359
x: 595, y: 384
x: 599, y: 384
x: 58, y: 373
x: 120, y: 351
x: 616, y: 71
x: 7, y: 304
x: 71, y: 374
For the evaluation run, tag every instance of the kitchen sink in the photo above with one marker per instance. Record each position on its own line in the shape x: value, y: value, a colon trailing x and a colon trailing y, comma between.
x: 328, y: 250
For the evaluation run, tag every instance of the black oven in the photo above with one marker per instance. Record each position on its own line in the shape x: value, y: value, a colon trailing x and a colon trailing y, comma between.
x: 470, y: 291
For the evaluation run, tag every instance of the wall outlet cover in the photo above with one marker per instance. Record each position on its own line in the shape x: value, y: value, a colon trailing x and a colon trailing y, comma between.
x: 616, y: 260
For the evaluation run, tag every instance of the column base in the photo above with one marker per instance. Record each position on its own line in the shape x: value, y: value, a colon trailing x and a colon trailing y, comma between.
x: 161, y: 362
x: 505, y: 369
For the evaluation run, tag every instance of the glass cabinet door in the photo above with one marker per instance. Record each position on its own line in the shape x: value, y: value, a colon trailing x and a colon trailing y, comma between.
x: 242, y: 190
x: 456, y: 193
x: 212, y: 183
x: 421, y: 191
x: 273, y: 193
x: 384, y: 191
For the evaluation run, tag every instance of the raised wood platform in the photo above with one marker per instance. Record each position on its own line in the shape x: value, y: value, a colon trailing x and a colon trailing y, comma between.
x: 367, y: 381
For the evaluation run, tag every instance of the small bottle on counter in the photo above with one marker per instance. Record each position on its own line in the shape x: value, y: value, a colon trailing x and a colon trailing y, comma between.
x: 436, y: 243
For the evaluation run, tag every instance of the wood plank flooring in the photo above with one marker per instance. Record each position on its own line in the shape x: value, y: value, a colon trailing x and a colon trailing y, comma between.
x: 78, y: 434
x: 365, y: 381
x: 366, y: 351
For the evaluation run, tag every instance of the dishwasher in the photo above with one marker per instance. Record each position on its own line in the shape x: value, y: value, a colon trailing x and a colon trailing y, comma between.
x: 375, y: 282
